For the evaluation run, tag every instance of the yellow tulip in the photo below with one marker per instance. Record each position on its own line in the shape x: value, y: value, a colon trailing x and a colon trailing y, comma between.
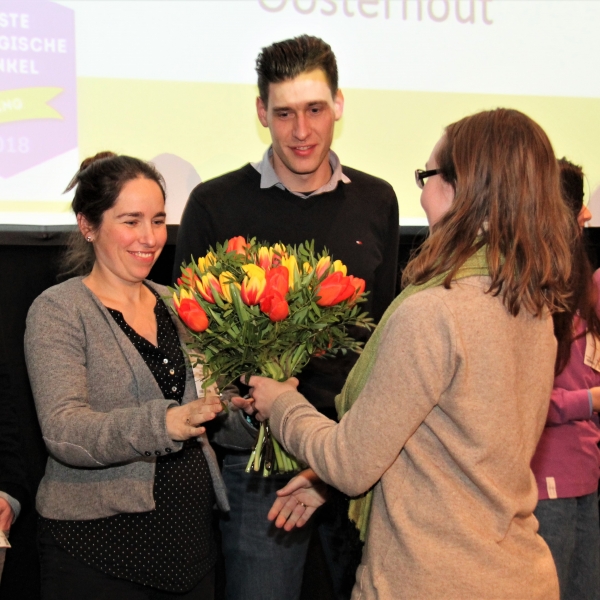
x: 226, y: 279
x: 307, y: 268
x: 292, y: 267
x: 204, y: 262
x: 338, y: 265
x: 280, y: 249
x: 183, y: 294
x: 254, y: 271
x: 323, y: 266
x: 278, y: 255
x: 253, y: 288
x: 205, y: 286
x: 265, y: 257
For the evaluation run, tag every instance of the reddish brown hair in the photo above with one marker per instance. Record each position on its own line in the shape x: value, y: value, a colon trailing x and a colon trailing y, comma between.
x: 507, y: 195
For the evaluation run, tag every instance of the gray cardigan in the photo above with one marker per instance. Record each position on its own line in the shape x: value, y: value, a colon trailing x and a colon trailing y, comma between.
x: 102, y: 414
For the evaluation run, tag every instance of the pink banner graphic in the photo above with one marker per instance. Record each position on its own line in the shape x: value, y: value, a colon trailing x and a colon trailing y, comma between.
x: 38, y: 87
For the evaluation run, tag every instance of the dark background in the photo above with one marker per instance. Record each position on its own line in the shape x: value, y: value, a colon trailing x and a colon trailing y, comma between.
x: 30, y: 263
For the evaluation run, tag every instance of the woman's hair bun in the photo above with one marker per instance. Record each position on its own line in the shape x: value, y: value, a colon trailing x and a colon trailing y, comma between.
x: 90, y: 160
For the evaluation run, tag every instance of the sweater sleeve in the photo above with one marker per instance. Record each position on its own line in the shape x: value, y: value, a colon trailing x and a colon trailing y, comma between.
x: 74, y: 433
x: 196, y: 232
x: 386, y: 275
x: 568, y: 405
x: 414, y: 365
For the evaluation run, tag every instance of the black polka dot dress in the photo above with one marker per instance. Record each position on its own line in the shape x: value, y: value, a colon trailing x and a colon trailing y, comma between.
x: 172, y: 547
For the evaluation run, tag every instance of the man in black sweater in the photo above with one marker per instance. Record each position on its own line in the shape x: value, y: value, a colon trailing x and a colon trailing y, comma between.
x: 298, y: 192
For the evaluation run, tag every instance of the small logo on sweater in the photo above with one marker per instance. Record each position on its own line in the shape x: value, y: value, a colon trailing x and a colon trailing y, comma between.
x: 551, y: 488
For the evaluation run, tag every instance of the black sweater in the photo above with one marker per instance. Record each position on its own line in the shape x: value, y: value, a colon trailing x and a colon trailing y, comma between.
x: 357, y: 222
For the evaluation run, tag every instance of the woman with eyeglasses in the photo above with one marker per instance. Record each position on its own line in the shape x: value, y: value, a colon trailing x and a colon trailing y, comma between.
x: 442, y: 413
x: 566, y: 463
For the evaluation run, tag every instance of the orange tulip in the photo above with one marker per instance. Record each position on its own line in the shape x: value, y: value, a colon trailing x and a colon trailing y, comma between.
x: 359, y: 287
x: 205, y: 286
x: 187, y: 277
x: 335, y: 288
x: 265, y: 257
x: 190, y: 312
x: 237, y: 244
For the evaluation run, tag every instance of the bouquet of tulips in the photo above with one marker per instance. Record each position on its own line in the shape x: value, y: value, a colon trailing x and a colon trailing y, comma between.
x: 257, y: 309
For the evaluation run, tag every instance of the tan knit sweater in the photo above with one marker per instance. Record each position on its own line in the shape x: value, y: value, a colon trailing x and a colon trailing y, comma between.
x: 445, y: 429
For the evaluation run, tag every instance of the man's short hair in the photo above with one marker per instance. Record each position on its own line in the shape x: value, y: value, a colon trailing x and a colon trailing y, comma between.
x: 288, y: 59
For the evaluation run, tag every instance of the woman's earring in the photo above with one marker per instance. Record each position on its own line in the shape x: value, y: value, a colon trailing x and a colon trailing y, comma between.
x: 89, y: 238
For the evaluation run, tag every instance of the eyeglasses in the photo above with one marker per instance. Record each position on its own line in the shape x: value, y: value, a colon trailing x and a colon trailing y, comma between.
x: 421, y: 175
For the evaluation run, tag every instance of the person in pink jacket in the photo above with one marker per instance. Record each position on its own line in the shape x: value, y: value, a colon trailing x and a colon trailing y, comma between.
x: 567, y: 460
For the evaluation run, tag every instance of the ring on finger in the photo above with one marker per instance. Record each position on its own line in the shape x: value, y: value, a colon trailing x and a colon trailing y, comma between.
x: 301, y: 503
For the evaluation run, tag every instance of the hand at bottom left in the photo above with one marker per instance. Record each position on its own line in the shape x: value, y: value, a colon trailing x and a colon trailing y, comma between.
x: 298, y: 500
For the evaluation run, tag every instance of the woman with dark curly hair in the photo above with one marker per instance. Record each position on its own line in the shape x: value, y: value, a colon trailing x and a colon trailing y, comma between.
x: 126, y: 501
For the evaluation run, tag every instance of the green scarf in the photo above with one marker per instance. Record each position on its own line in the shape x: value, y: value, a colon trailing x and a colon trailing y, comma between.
x: 360, y: 508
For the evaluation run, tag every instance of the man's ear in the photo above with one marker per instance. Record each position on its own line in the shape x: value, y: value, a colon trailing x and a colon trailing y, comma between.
x: 338, y: 105
x: 261, y: 111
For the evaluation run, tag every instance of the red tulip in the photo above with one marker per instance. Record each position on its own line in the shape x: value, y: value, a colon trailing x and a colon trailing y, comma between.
x: 253, y: 285
x: 278, y: 280
x: 280, y: 309
x: 335, y: 288
x: 275, y: 305
x: 237, y: 244
x: 190, y: 312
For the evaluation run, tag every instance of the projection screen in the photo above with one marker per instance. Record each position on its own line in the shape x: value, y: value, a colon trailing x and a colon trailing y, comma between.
x: 174, y: 82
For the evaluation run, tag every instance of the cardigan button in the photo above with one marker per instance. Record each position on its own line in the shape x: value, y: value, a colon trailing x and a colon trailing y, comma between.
x: 168, y: 450
x: 158, y: 452
x: 148, y: 453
